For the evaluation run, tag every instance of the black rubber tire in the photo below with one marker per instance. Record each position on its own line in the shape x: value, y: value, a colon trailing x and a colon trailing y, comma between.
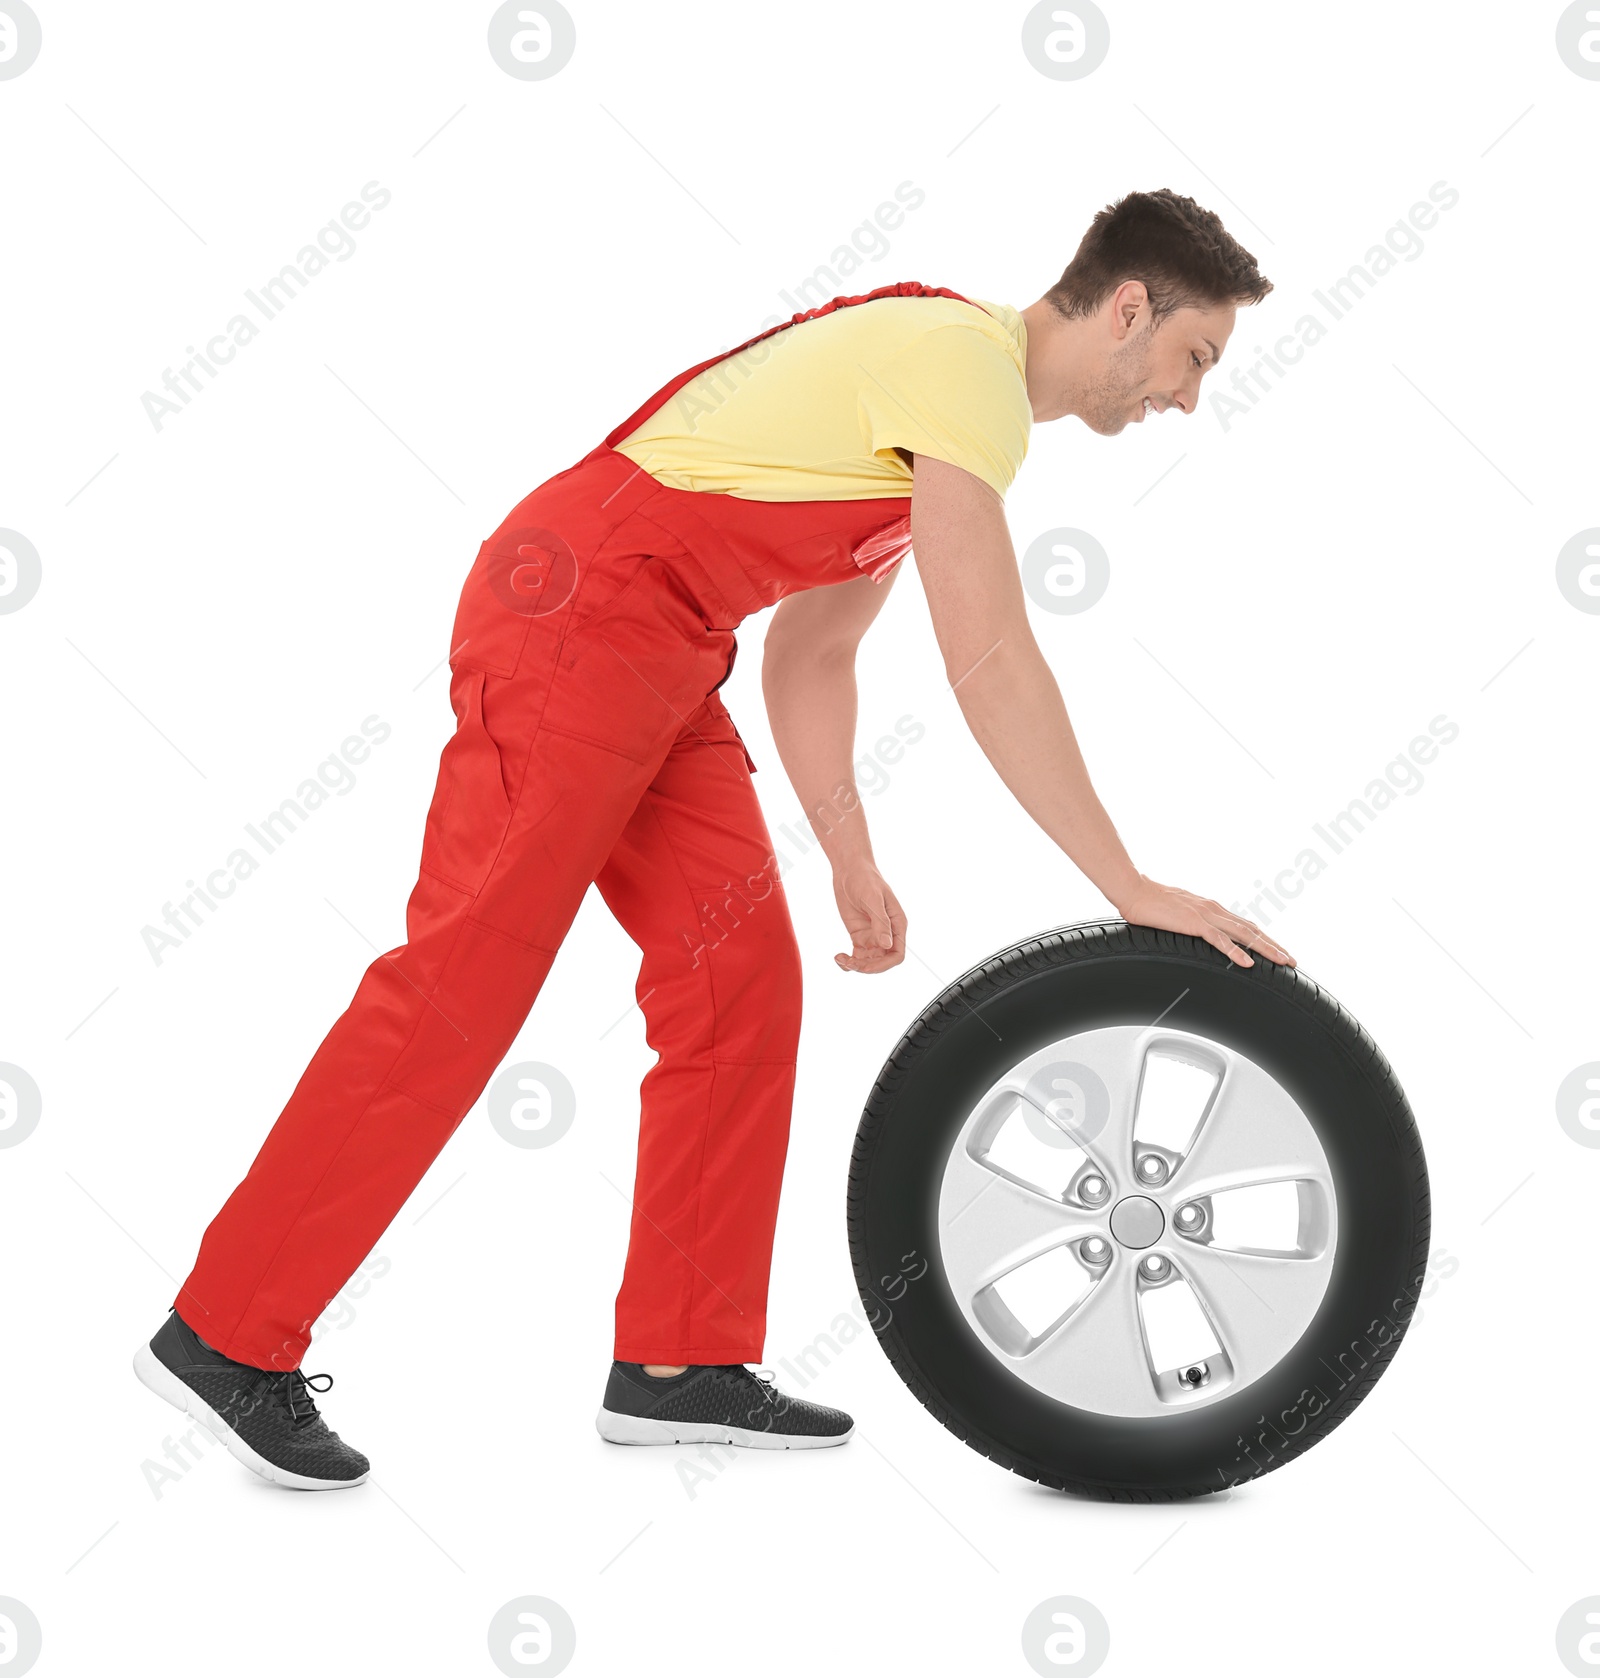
x: 1109, y: 973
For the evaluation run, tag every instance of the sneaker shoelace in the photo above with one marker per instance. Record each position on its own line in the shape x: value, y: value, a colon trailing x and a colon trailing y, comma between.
x: 763, y: 1381
x: 293, y: 1390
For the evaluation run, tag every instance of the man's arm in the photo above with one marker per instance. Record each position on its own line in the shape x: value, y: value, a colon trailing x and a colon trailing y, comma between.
x: 808, y: 675
x: 1014, y: 708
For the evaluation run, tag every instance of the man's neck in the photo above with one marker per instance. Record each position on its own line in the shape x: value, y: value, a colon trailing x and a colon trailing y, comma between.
x: 1054, y: 353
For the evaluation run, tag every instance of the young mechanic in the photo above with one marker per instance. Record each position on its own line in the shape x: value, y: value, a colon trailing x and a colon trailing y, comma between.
x: 592, y: 745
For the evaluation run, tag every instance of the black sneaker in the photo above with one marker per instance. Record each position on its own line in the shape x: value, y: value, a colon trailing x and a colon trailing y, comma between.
x: 713, y: 1404
x: 267, y: 1418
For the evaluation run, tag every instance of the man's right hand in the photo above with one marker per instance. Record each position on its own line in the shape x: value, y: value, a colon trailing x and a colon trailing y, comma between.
x: 1170, y: 910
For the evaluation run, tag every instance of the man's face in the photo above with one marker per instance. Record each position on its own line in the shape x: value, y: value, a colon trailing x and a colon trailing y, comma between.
x: 1163, y: 367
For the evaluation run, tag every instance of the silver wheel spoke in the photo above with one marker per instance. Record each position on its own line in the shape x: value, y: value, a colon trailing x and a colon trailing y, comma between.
x: 1259, y: 1305
x: 995, y: 1224
x: 1104, y: 1133
x: 1254, y: 1133
x: 1097, y: 1360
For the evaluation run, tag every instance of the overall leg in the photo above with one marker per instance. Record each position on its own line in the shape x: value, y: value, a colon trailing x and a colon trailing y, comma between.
x: 402, y: 1065
x: 693, y: 881
x: 542, y: 775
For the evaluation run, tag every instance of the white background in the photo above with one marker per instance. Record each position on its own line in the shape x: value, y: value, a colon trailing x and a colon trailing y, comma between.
x: 1292, y: 602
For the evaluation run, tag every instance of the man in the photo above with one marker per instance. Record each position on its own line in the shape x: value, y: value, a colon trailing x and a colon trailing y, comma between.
x: 592, y: 746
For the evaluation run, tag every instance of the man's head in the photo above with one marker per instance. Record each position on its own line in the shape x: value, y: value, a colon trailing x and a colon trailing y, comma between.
x: 1143, y: 311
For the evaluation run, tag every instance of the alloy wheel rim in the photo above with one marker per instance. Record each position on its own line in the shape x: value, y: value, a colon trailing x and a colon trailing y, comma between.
x: 1134, y: 1217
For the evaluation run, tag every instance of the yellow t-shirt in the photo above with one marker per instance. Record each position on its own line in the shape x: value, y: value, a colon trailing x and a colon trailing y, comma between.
x: 818, y: 411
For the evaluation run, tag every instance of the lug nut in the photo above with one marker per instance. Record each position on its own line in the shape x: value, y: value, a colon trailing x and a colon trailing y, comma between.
x: 1190, y: 1218
x: 1093, y: 1190
x: 1152, y: 1169
x: 1154, y: 1268
x: 1096, y: 1251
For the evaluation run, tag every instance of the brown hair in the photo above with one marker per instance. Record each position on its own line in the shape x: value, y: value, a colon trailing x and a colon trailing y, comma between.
x: 1183, y: 254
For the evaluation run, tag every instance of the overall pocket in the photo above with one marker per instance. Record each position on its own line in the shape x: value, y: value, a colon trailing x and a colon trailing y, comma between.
x: 522, y: 573
x: 471, y: 806
x: 630, y: 674
x: 714, y: 726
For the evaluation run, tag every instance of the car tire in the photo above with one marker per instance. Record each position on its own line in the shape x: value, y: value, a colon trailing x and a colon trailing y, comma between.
x: 1085, y: 979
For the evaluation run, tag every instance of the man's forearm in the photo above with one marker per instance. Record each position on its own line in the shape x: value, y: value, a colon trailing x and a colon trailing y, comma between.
x: 1014, y: 708
x: 811, y: 705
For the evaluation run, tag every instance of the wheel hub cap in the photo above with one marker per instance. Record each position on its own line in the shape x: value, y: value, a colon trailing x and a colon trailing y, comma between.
x: 1137, y: 1221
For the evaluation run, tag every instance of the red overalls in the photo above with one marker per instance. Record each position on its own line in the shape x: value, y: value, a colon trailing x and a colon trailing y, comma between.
x: 591, y: 745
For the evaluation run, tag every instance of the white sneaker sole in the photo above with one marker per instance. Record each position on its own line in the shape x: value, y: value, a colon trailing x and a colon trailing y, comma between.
x: 641, y: 1430
x: 164, y: 1384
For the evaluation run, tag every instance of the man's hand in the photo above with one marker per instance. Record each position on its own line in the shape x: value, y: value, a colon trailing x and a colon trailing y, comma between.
x: 873, y: 917
x: 1170, y: 910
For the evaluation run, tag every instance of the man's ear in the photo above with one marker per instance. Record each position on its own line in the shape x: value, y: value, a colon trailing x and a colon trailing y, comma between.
x: 1126, y: 302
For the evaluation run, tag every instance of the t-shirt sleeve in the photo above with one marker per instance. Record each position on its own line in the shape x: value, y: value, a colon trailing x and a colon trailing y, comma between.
x: 955, y: 394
